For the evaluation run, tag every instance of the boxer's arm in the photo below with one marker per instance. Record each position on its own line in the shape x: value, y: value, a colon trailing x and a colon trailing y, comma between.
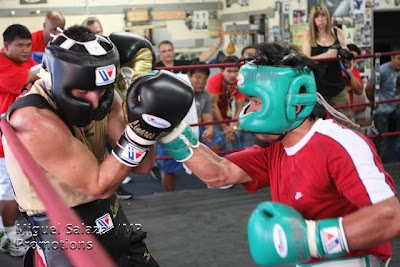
x: 57, y: 151
x: 216, y: 171
x: 116, y: 124
x: 374, y: 224
x: 326, y: 238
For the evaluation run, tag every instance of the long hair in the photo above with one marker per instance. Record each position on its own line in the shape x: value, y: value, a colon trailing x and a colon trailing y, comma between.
x: 280, y: 54
x: 315, y: 11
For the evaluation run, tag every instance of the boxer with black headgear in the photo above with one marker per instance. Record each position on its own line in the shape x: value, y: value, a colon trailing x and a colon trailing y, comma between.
x: 71, y: 68
x: 67, y: 119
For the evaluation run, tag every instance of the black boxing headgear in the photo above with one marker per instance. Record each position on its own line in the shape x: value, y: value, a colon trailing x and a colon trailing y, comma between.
x: 93, y: 68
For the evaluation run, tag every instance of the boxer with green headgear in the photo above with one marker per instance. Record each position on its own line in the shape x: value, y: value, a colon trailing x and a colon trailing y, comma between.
x: 280, y: 91
x: 329, y: 191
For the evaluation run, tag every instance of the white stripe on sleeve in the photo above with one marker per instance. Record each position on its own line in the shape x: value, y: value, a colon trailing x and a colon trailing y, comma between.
x: 360, y: 152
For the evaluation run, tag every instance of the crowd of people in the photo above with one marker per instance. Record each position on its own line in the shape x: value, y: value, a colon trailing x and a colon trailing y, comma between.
x: 75, y: 93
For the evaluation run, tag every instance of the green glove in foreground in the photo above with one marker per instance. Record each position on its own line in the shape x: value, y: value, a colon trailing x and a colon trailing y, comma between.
x: 180, y: 141
x: 279, y: 235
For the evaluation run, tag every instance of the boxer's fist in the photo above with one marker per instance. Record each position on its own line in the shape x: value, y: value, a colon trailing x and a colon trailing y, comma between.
x: 180, y: 142
x: 279, y: 235
x: 136, y: 53
x: 134, y: 49
x: 155, y: 104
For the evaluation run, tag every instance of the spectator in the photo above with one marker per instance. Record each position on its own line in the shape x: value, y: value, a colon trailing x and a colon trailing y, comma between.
x: 223, y: 89
x: 209, y: 135
x: 93, y: 24
x: 355, y: 85
x: 249, y: 52
x: 15, y: 74
x: 387, y: 114
x: 167, y: 55
x: 40, y: 38
x: 321, y: 41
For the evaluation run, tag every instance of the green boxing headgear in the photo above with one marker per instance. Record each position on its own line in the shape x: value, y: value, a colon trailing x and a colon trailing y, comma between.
x: 278, y: 88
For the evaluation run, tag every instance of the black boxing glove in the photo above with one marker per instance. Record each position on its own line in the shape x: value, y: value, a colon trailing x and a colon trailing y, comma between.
x: 130, y: 44
x: 155, y: 104
x: 136, y: 53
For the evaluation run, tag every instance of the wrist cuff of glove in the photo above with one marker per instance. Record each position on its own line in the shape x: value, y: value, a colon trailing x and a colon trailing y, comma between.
x: 175, y: 133
x: 137, y: 139
x: 180, y: 142
x: 129, y: 152
x: 326, y: 238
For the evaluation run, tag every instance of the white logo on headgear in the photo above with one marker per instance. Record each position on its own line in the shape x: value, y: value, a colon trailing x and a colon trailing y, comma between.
x: 240, y: 79
x: 105, y: 75
x: 280, y: 240
x: 156, y: 121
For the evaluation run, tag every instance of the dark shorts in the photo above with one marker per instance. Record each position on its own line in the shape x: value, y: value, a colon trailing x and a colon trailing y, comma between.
x: 126, y: 247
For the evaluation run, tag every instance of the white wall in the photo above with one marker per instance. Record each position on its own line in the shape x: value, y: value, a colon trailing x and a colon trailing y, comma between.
x: 89, y: 3
x: 110, y: 22
x: 176, y: 29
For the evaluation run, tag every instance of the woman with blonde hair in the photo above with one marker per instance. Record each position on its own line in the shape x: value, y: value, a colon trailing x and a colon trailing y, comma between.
x: 323, y: 41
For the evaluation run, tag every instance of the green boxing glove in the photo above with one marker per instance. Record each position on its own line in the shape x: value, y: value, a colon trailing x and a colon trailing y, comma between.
x: 180, y: 141
x: 279, y: 235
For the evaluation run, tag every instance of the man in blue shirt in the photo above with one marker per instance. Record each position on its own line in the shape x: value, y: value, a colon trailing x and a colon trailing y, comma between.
x: 386, y: 115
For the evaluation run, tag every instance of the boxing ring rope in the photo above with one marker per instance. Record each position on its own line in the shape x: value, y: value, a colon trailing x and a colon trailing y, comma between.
x: 227, y: 65
x: 336, y: 107
x: 199, y: 66
x: 367, y: 104
x: 376, y: 55
x: 57, y: 211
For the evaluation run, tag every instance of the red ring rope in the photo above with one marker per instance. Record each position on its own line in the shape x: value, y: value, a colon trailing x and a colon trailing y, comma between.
x: 227, y: 65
